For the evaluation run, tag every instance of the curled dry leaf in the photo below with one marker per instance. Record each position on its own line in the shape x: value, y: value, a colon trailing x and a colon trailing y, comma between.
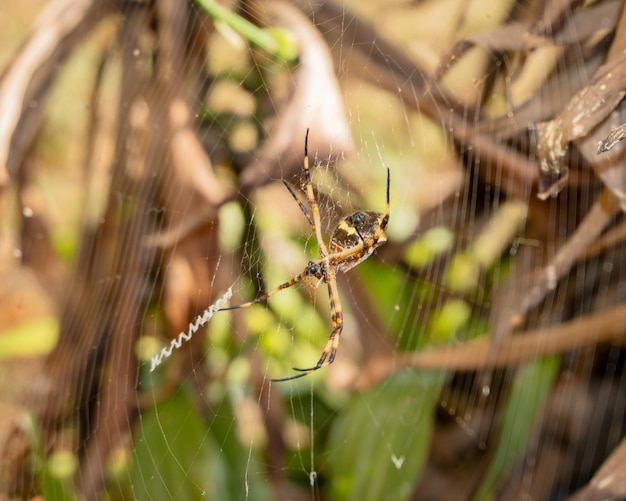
x: 585, y: 110
x: 315, y: 103
x: 551, y: 148
x: 609, y: 168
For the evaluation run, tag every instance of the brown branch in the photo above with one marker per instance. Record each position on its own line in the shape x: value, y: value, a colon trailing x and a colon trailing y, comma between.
x: 112, y: 316
x: 608, y: 325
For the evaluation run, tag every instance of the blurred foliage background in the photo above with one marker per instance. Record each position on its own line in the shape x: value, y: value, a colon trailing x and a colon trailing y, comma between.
x: 142, y: 149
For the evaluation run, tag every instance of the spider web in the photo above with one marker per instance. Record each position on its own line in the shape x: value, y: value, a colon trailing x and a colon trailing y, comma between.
x: 504, y: 220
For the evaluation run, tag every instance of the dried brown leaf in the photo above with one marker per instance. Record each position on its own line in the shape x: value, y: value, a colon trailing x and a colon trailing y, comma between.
x: 315, y: 103
x: 585, y: 110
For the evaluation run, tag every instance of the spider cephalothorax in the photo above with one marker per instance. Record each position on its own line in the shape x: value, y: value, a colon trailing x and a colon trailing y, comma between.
x: 355, y: 238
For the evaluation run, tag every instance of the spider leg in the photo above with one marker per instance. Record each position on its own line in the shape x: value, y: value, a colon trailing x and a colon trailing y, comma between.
x: 302, y: 207
x: 269, y: 294
x: 330, y: 350
x: 317, y: 222
x: 385, y: 219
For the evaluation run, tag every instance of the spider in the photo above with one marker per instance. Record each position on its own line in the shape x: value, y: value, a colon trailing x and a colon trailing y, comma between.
x: 355, y: 238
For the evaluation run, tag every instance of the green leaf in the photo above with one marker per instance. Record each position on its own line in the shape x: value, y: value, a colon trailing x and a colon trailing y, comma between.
x: 446, y: 322
x: 379, y: 446
x: 28, y: 339
x: 397, y: 301
x: 53, y: 487
x: 247, y: 477
x: 526, y: 399
x: 279, y: 42
x: 56, y: 471
x: 175, y: 457
x: 56, y: 476
x: 463, y: 273
x: 425, y: 249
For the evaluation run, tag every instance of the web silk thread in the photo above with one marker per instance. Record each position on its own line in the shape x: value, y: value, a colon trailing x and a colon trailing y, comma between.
x: 200, y: 321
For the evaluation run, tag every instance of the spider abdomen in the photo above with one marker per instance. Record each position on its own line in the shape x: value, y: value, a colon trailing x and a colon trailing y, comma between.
x: 356, y: 230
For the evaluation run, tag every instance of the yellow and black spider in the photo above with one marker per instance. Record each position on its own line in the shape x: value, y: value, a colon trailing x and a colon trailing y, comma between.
x: 354, y: 240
